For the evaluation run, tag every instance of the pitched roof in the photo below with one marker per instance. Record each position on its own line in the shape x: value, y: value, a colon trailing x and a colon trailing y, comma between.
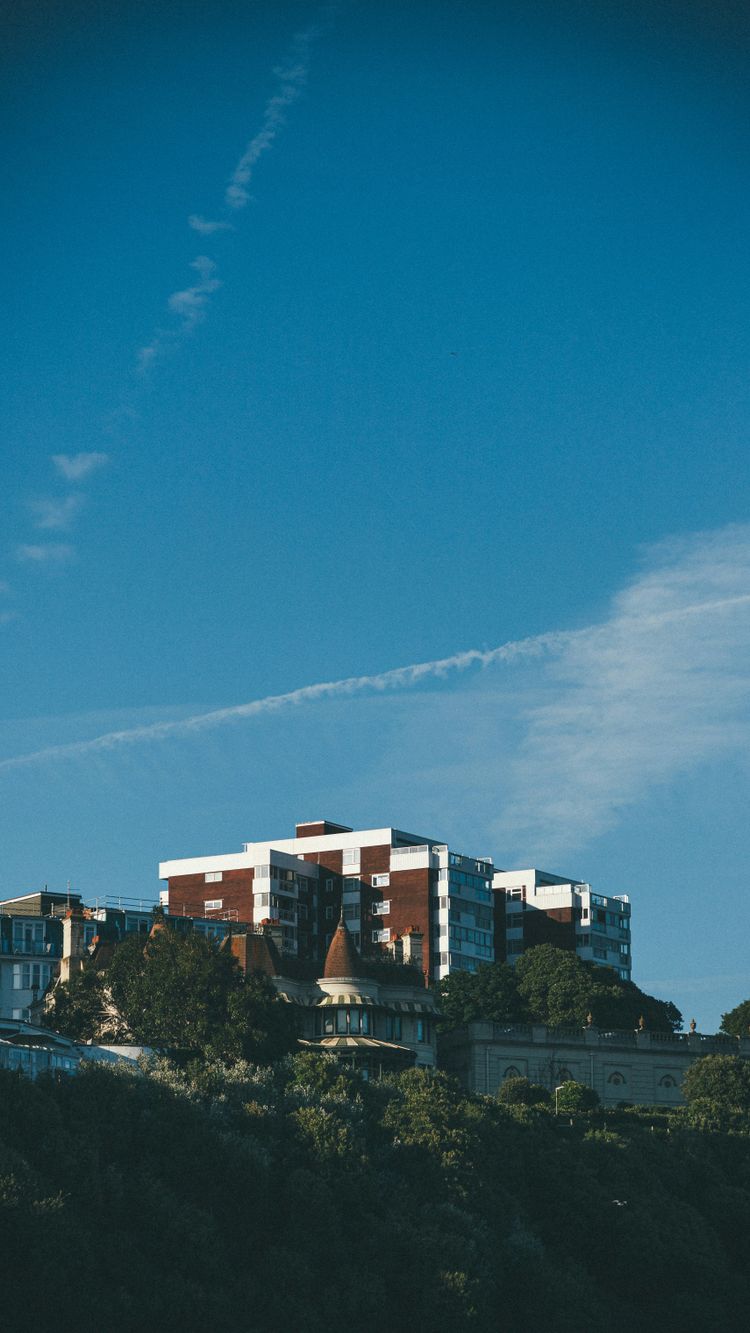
x: 342, y: 959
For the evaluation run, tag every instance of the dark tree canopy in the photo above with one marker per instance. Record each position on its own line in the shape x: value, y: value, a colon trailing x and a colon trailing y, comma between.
x: 182, y: 992
x: 214, y: 1196
x: 721, y: 1081
x: 552, y: 986
x: 737, y: 1022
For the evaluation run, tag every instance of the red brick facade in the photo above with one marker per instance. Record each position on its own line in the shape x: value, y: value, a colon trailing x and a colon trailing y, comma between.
x: 188, y: 894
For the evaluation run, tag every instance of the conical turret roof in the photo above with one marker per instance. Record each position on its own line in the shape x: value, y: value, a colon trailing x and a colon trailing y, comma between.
x: 342, y: 959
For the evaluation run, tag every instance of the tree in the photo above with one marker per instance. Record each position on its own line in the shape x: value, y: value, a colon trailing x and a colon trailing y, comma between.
x: 717, y: 1087
x: 178, y: 991
x: 182, y: 991
x: 76, y: 1007
x: 489, y: 993
x: 522, y: 1092
x: 572, y: 1096
x: 558, y: 988
x: 737, y: 1022
x: 554, y: 985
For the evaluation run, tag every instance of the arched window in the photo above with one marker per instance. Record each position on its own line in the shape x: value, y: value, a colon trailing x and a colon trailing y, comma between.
x: 565, y: 1076
x: 617, y: 1078
x: 512, y: 1072
x: 667, y: 1081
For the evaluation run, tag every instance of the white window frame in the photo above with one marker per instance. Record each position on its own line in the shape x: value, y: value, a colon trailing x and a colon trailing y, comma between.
x: 213, y: 904
x: 381, y: 881
x: 213, y: 877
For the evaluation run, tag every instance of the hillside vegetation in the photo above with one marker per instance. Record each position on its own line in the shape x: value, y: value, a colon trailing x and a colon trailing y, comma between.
x: 296, y: 1197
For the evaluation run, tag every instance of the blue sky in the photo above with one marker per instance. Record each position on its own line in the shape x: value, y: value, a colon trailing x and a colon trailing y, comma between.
x: 460, y: 361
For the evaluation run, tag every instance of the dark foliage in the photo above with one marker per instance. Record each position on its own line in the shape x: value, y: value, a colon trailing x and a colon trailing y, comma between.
x: 179, y: 992
x: 553, y: 986
x: 737, y: 1022
x: 236, y: 1197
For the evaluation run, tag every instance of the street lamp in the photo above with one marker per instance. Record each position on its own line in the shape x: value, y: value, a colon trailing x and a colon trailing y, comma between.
x: 559, y: 1088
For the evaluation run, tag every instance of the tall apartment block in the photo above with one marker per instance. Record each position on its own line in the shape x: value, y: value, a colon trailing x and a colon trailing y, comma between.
x: 535, y: 907
x: 396, y: 891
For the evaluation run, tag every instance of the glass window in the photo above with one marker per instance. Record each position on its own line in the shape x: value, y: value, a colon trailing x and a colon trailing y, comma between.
x: 213, y: 877
x: 341, y: 1020
x: 397, y: 1027
x: 354, y: 1020
x: 350, y: 856
x: 420, y: 1029
x: 328, y: 1022
x: 365, y: 1020
x: 329, y: 914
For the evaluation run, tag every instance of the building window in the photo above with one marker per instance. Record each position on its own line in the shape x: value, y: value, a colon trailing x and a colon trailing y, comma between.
x: 381, y: 881
x: 137, y: 923
x: 617, y: 1078
x: 381, y: 936
x: 667, y: 1082
x: 512, y: 1072
x: 329, y: 886
x: 351, y: 911
x: 365, y: 1021
x: 329, y: 913
x: 423, y: 1030
x: 382, y: 908
x: 213, y: 904
x: 393, y: 1027
x: 213, y: 877
x: 350, y: 856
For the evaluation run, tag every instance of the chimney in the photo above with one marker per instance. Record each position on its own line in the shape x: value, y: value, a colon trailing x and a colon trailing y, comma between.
x: 74, y: 951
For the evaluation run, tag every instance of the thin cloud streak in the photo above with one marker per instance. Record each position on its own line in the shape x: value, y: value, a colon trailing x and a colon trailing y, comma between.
x: 74, y: 467
x: 207, y: 226
x: 292, y: 78
x: 56, y: 515
x: 53, y: 553
x: 659, y: 687
x: 189, y: 305
x: 397, y: 678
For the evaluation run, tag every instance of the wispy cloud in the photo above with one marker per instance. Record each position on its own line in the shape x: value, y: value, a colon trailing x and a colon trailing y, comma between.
x: 395, y: 679
x: 56, y: 515
x: 292, y: 79
x: 74, y: 467
x: 188, y: 305
x: 207, y: 226
x: 51, y: 553
x: 659, y: 687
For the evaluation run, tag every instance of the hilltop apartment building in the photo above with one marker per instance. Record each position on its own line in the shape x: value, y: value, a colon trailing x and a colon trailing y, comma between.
x: 534, y: 907
x: 397, y: 892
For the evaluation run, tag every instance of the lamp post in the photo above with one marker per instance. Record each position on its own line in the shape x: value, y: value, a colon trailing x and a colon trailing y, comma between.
x: 557, y: 1089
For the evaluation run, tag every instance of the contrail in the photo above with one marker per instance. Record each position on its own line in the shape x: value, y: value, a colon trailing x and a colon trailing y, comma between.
x: 397, y: 678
